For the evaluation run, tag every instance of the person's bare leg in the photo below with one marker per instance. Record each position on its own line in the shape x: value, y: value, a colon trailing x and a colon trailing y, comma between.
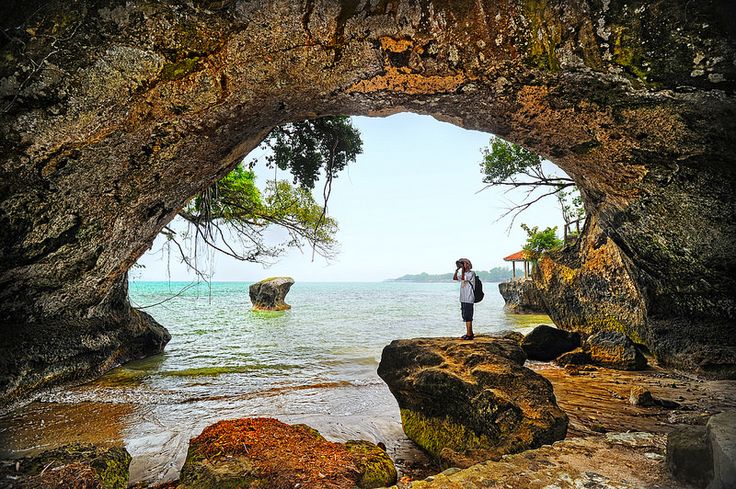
x: 469, y: 328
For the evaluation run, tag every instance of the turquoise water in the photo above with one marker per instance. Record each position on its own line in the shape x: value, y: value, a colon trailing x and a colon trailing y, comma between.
x: 334, y: 332
x: 313, y: 364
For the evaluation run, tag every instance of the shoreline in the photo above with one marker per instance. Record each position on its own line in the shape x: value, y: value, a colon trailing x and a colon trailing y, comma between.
x: 157, y: 434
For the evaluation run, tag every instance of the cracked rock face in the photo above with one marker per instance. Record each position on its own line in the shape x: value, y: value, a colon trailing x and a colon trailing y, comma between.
x: 115, y: 113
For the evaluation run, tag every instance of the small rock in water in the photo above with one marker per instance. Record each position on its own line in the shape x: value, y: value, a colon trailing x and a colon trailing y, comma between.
x: 269, y: 294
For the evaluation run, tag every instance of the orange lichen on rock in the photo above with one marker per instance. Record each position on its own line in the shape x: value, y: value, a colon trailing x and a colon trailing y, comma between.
x: 412, y: 83
x: 395, y: 45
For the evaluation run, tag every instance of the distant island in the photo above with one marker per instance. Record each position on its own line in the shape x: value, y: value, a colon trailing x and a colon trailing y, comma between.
x: 496, y: 274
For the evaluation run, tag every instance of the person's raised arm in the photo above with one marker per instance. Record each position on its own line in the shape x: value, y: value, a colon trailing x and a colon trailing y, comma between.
x: 454, y: 277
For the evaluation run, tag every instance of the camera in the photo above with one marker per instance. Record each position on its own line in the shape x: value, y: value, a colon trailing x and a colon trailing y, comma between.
x: 459, y: 263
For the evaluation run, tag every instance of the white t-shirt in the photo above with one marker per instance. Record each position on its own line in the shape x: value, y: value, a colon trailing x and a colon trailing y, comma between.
x: 466, y: 289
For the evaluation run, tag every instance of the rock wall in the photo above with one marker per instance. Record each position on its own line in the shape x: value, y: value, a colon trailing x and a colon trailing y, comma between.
x: 72, y: 349
x: 594, y: 286
x: 115, y: 113
x: 522, y: 297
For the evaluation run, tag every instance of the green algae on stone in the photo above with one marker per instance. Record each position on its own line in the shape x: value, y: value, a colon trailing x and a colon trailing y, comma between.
x: 627, y: 54
x: 89, y: 466
x: 179, y: 69
x: 435, y: 434
x: 544, y: 35
x: 374, y: 465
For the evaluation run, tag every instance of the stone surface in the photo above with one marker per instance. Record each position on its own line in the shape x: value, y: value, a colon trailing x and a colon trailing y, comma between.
x: 640, y: 396
x: 77, y: 466
x: 465, y: 402
x: 614, y: 461
x: 721, y: 432
x: 115, y: 115
x: 590, y: 287
x: 578, y: 356
x: 522, y: 297
x: 546, y: 343
x: 270, y: 294
x: 264, y: 452
x: 614, y: 350
x: 509, y: 335
x: 689, y: 456
x: 73, y: 349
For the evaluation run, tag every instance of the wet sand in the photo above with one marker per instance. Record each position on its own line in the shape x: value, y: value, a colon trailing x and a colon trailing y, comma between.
x: 597, y: 399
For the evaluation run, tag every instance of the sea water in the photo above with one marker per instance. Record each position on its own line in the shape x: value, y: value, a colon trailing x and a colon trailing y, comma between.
x: 335, y: 332
x: 315, y: 363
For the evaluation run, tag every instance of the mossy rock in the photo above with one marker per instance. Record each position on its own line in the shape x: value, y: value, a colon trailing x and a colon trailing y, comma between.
x: 465, y: 402
x: 179, y: 69
x: 222, y: 473
x: 75, y: 465
x: 375, y: 467
x: 434, y: 434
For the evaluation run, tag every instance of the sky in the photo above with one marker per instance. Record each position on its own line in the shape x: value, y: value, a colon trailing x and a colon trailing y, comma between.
x: 411, y: 203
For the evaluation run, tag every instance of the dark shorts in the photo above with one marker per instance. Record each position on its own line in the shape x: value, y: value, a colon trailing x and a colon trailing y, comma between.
x: 466, y: 308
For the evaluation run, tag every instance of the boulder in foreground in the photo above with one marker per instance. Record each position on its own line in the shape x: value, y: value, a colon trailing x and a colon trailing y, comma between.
x: 266, y: 453
x: 689, y: 457
x: 76, y: 466
x: 468, y: 401
x: 721, y: 432
x: 269, y: 294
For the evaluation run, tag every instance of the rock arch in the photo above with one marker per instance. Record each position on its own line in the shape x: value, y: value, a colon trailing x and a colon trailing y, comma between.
x: 115, y: 113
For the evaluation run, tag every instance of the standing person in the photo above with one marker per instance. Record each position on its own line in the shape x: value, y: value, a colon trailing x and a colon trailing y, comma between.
x: 467, y: 295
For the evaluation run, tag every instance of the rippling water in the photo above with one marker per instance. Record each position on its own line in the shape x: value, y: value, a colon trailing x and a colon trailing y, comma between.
x: 315, y: 363
x: 334, y: 332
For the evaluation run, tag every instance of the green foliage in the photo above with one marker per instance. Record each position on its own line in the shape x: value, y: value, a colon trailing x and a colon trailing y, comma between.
x: 503, y: 161
x: 236, y: 203
x: 234, y: 195
x: 539, y: 242
x: 508, y: 164
x: 235, y: 209
x: 571, y: 204
x: 305, y: 147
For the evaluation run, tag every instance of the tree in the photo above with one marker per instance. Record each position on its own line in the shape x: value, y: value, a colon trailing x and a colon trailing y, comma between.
x: 539, y: 242
x: 508, y: 164
x: 232, y: 215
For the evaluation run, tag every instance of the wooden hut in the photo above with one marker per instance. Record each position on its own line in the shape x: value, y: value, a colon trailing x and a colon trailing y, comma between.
x: 519, y: 256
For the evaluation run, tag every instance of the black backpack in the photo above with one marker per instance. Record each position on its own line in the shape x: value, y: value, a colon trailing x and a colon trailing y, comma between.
x: 478, y: 289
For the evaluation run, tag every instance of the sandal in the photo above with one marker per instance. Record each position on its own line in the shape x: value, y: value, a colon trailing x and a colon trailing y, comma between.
x: 467, y: 337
